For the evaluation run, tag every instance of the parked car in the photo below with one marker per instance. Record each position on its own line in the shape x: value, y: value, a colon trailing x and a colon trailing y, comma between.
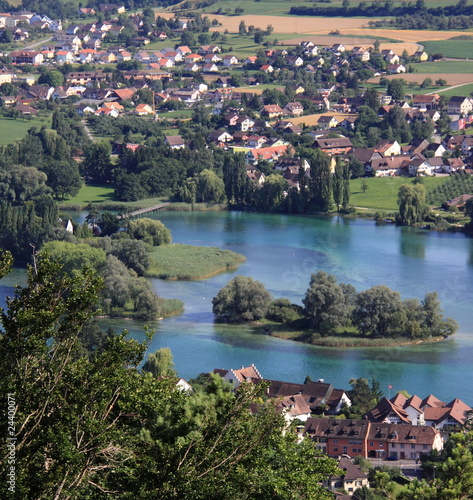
x: 392, y: 458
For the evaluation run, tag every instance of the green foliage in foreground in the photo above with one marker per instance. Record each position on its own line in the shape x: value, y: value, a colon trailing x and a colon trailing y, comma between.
x: 87, y: 427
x: 453, y: 472
x: 189, y: 262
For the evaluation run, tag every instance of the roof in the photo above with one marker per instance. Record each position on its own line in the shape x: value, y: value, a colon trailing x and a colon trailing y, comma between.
x: 339, y: 142
x: 351, y: 471
x: 386, y: 408
x: 175, y: 140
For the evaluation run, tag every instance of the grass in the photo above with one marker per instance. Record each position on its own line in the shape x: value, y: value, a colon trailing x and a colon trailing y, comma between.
x: 187, y: 262
x: 15, y: 129
x: 91, y: 193
x: 462, y: 49
x: 445, y: 67
x: 463, y: 90
x: 382, y: 191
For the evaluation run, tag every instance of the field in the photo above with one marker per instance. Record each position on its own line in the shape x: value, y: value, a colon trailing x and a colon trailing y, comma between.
x: 12, y: 130
x: 382, y: 191
x: 462, y: 49
x: 187, y: 262
x: 91, y: 193
x: 464, y: 90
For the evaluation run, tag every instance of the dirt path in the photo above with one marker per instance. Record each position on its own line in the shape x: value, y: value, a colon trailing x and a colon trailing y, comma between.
x: 87, y: 131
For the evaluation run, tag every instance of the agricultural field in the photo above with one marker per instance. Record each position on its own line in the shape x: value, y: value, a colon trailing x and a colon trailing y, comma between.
x: 14, y: 129
x: 455, y: 47
x: 381, y: 193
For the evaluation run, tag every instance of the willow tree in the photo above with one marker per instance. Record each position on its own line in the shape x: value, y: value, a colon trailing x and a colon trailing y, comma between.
x: 412, y: 205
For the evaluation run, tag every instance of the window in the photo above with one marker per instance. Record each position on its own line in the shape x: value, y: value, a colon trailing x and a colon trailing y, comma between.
x: 413, y: 446
x: 335, y: 449
x: 425, y: 446
x: 380, y: 445
x: 335, y: 441
x: 393, y: 445
x: 371, y: 443
x: 402, y: 445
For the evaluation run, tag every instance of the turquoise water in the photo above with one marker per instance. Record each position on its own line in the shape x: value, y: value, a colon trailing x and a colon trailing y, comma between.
x: 282, y: 251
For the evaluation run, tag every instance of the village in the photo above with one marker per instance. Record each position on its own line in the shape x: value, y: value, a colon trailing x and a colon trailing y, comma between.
x: 397, y: 430
x: 325, y: 111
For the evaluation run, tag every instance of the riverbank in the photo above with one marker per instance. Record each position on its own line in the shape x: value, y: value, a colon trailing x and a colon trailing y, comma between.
x: 189, y: 262
x: 167, y: 309
x: 343, y: 339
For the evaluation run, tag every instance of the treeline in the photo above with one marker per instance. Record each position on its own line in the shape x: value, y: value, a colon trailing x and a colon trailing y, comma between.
x: 388, y: 8
x: 427, y: 21
x: 33, y: 173
x: 330, y: 307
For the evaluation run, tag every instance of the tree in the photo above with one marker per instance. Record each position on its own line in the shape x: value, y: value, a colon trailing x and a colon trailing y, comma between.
x: 160, y: 363
x: 273, y: 192
x: 74, y: 257
x: 52, y: 78
x: 453, y: 472
x: 241, y: 299
x: 364, y: 185
x: 63, y: 178
x: 426, y: 83
x: 242, y: 28
x: 153, y: 232
x: 379, y: 312
x: 363, y: 397
x: 97, y: 164
x: 324, y: 303
x: 209, y: 187
x: 396, y: 89
x: 109, y: 223
x: 412, y: 205
x: 372, y: 99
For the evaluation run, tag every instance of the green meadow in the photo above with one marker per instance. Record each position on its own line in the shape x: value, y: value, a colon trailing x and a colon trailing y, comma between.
x: 457, y: 48
x: 13, y: 129
x: 382, y: 191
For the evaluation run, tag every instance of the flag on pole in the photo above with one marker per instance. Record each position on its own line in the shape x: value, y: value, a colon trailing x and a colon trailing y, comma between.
x: 390, y: 386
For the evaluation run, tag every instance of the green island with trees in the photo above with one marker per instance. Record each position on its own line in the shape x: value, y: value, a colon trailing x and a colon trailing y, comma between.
x: 335, y: 314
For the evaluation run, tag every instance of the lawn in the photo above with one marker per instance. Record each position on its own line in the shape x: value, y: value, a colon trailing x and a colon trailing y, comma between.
x: 92, y: 193
x: 14, y: 129
x: 382, y: 191
x: 188, y: 262
x: 451, y: 48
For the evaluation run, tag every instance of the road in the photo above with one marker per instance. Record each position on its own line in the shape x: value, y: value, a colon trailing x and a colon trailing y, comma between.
x: 451, y: 87
x: 35, y: 44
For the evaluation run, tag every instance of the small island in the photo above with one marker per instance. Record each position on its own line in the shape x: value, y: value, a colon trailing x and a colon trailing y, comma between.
x: 335, y: 314
x: 189, y: 262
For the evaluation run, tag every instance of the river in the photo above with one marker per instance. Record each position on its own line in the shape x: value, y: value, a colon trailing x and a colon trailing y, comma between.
x: 282, y: 251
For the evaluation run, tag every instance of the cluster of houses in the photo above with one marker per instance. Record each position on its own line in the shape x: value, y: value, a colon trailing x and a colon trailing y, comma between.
x: 400, y: 428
